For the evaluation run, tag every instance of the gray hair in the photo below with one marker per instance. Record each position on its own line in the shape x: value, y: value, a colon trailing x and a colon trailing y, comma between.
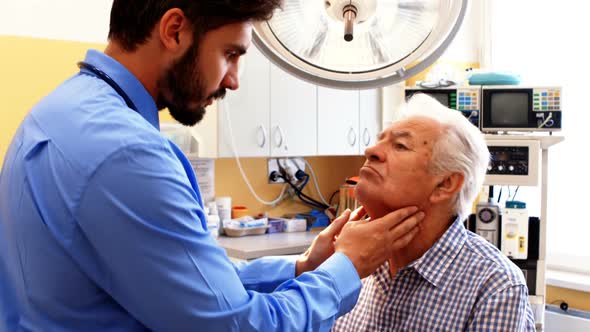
x: 461, y: 148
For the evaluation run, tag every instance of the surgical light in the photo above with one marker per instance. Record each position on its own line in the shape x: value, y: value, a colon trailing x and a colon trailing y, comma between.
x: 354, y: 44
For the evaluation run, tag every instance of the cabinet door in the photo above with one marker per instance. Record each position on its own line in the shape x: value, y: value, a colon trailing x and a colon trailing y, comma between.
x: 293, y: 122
x: 338, y: 128
x: 248, y: 108
x: 369, y: 118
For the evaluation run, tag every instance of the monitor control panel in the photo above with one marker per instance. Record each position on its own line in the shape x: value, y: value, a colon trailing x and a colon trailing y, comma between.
x: 513, y: 162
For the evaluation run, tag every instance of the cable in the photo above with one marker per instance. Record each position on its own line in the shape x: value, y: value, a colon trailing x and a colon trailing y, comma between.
x: 310, y: 203
x: 315, y: 182
x: 305, y: 180
x: 546, y: 120
x: 303, y: 197
x: 235, y: 152
x: 516, y: 192
x: 332, y: 196
x: 300, y: 175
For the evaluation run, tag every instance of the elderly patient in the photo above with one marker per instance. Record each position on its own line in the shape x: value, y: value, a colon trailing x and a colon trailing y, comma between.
x: 447, y: 278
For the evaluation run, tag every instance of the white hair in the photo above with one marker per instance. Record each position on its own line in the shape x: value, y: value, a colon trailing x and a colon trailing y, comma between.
x: 461, y: 148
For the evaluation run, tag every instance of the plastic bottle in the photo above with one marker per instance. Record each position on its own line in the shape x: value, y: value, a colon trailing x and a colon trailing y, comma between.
x: 213, y: 221
x: 213, y: 225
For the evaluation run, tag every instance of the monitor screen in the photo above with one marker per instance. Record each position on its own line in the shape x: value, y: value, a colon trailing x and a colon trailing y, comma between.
x: 442, y: 97
x: 509, y: 109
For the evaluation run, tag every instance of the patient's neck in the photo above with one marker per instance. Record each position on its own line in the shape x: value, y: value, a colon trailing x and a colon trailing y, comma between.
x: 435, y: 224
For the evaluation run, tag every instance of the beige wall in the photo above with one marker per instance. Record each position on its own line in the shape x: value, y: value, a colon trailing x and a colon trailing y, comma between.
x: 575, y: 299
x: 330, y: 171
x: 30, y: 68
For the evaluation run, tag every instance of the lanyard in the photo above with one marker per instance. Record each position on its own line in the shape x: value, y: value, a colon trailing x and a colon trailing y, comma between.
x: 108, y: 80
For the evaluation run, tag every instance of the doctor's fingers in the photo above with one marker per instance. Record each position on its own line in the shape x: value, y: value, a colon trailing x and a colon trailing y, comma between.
x: 401, y: 234
x: 392, y: 219
x: 336, y: 225
x: 404, y: 240
x: 358, y: 214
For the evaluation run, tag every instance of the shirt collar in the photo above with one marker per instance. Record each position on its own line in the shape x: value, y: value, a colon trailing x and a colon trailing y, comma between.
x: 437, y: 260
x: 144, y: 102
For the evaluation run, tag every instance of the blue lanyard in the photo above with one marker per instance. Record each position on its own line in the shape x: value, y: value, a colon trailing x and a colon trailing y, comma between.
x: 108, y: 80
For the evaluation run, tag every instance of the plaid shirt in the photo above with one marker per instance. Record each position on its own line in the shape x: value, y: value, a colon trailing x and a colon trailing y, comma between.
x: 462, y: 283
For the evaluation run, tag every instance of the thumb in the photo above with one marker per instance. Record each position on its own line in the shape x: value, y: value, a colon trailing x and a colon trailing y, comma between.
x: 336, y: 225
x: 358, y: 214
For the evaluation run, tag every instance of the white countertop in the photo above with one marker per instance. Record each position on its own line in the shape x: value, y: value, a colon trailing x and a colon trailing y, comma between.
x: 256, y: 246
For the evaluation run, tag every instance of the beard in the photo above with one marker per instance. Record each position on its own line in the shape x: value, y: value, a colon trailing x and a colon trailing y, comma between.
x: 186, y: 86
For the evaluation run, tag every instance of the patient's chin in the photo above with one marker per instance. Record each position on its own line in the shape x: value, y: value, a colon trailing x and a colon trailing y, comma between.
x: 364, y: 199
x: 360, y: 193
x: 365, y: 192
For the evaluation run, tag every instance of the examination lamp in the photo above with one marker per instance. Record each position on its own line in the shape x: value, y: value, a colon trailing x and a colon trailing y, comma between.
x: 358, y: 44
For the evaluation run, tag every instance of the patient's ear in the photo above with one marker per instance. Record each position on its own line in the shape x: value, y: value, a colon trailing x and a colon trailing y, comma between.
x: 447, y: 188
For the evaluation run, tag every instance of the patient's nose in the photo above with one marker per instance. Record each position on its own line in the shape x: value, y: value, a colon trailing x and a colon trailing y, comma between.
x: 374, y: 153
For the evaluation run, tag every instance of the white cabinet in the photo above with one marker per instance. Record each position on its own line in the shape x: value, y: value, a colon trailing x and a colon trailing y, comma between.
x: 245, y: 113
x: 274, y: 114
x: 369, y: 118
x: 271, y: 114
x: 348, y: 121
x: 338, y: 126
x: 293, y: 115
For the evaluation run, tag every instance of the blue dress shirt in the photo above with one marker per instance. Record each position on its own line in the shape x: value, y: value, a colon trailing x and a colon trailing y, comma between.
x: 102, y: 229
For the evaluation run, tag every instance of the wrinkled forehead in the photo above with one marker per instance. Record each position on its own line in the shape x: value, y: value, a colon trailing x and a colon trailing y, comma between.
x: 415, y: 127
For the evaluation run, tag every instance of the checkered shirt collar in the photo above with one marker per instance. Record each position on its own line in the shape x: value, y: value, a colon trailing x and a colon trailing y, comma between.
x: 436, y: 261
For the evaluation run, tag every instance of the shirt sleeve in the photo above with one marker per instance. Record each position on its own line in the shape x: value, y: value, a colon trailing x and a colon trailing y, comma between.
x: 265, y: 274
x: 141, y: 238
x: 506, y: 310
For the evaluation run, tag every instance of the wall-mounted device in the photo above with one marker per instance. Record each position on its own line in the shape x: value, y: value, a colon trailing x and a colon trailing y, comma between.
x: 513, y: 162
x: 529, y: 270
x: 487, y: 222
x: 465, y: 99
x: 515, y: 230
x: 529, y: 265
x: 518, y: 108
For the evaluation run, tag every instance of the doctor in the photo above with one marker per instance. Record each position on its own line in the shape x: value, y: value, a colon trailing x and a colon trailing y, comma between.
x: 101, y: 219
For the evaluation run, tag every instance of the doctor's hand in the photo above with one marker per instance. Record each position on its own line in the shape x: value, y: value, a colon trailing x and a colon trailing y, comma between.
x: 322, y: 246
x: 368, y: 244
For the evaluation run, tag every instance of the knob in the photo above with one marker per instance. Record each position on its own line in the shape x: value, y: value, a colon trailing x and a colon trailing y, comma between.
x: 500, y: 168
x: 511, y: 168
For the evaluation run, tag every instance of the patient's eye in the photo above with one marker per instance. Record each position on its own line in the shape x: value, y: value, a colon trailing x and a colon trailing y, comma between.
x: 400, y: 146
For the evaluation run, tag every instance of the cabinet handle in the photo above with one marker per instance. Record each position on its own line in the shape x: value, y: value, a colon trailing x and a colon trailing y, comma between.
x: 261, y: 133
x: 279, y: 140
x: 351, y: 136
x: 366, y: 137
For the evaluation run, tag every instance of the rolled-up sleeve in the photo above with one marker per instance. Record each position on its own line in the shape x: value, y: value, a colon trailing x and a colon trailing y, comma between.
x: 141, y: 237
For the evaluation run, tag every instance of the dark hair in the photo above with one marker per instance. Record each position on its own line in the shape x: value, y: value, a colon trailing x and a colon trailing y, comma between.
x: 132, y: 21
